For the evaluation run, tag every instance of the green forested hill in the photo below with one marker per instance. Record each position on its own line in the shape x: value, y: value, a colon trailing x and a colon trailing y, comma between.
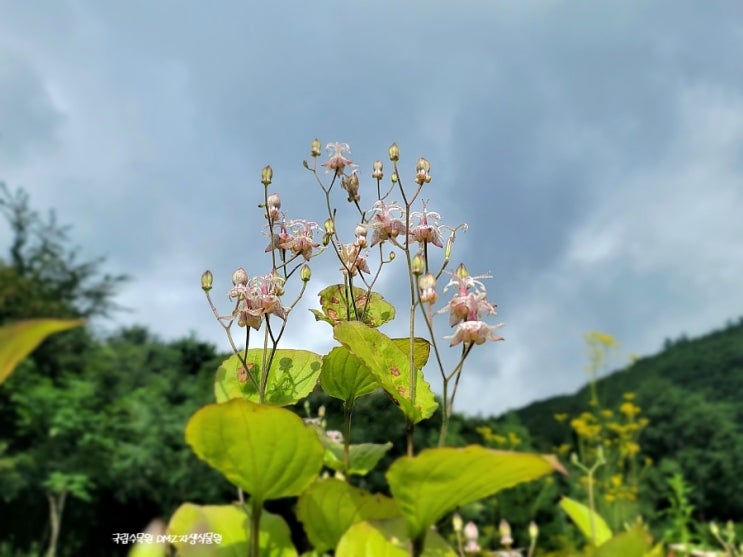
x: 691, y: 393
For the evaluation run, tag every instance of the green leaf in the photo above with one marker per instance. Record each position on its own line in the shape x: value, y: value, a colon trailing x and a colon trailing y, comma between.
x: 293, y: 376
x: 436, y: 481
x: 150, y: 549
x: 329, y: 507
x: 372, y: 310
x: 231, y: 522
x: 390, y: 364
x: 632, y: 543
x: 265, y: 450
x: 388, y: 538
x: 346, y: 377
x: 581, y: 517
x: 362, y: 457
x: 20, y: 339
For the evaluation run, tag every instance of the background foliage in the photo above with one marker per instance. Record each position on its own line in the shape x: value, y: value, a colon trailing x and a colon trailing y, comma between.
x: 97, y: 422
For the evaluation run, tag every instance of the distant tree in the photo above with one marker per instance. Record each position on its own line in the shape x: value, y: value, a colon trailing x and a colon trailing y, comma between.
x: 54, y: 282
x: 50, y: 410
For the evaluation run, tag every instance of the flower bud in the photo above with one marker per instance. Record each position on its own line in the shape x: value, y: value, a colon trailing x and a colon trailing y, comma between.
x: 470, y: 531
x: 240, y: 276
x: 329, y: 226
x: 377, y: 173
x: 277, y: 281
x: 351, y: 185
x: 305, y: 273
x: 447, y: 247
x: 422, y: 170
x: 504, y: 529
x: 360, y: 233
x: 533, y: 530
x: 274, y: 204
x: 462, y: 271
x: 714, y: 528
x: 394, y: 178
x: 207, y: 278
x: 316, y: 147
x: 427, y: 288
x: 266, y: 175
x: 394, y: 152
x: 457, y: 523
x: 418, y: 265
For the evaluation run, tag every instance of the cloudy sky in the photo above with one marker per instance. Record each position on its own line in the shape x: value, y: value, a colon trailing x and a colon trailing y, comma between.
x: 594, y: 148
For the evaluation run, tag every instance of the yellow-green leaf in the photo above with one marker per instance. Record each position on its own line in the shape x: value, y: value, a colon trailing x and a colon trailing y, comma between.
x: 329, y: 507
x: 20, y: 339
x: 437, y: 481
x: 587, y: 521
x: 388, y: 538
x: 632, y: 543
x: 293, y: 376
x: 389, y: 364
x: 193, y: 525
x: 267, y: 451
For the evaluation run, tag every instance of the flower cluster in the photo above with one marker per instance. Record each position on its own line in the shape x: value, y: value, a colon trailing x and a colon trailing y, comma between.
x: 467, y: 307
x: 256, y: 297
x: 295, y: 236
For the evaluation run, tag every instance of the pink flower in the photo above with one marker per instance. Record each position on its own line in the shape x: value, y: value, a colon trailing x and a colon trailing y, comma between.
x: 337, y: 162
x: 386, y: 221
x: 474, y: 332
x: 296, y: 236
x: 469, y: 307
x: 425, y: 232
x: 257, y: 298
x: 353, y: 261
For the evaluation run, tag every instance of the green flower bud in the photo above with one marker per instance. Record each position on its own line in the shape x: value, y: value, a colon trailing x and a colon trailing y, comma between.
x: 533, y: 530
x: 394, y: 152
x: 394, y: 178
x: 462, y: 271
x: 206, y: 281
x: 418, y: 265
x: 315, y: 149
x: 329, y: 226
x: 448, y: 246
x: 306, y: 273
x: 266, y: 175
x: 457, y: 523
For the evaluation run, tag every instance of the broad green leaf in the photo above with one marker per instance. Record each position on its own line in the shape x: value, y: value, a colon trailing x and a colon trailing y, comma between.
x: 197, y: 524
x: 328, y: 507
x: 362, y: 457
x: 150, y: 549
x: 389, y: 364
x: 265, y: 450
x: 346, y: 377
x: 336, y: 306
x: 293, y: 376
x: 388, y: 538
x: 581, y: 517
x: 421, y: 349
x: 20, y: 339
x: 437, y: 481
x: 632, y: 543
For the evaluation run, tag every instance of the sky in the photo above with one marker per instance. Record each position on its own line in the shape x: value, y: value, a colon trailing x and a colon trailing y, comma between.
x: 595, y: 150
